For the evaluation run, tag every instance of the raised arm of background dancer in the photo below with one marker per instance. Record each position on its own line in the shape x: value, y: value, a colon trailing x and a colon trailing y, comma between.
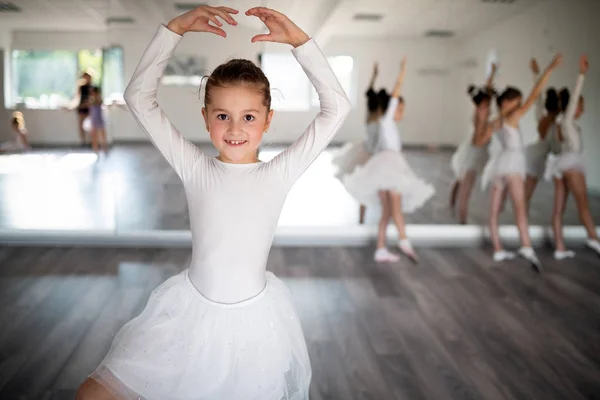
x: 371, y: 89
x: 490, y: 82
x: 539, y: 102
x: 514, y: 118
x: 574, y: 100
x: 400, y: 80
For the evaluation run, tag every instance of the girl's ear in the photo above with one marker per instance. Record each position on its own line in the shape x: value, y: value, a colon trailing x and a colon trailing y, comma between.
x: 268, y: 121
x: 205, y: 116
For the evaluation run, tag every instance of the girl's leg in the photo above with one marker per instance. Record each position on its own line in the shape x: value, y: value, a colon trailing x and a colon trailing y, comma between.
x: 94, y: 135
x: 382, y: 254
x: 463, y: 195
x: 576, y: 183
x: 454, y: 190
x: 92, y: 390
x: 516, y: 188
x: 102, y: 137
x: 530, y: 184
x: 398, y: 216
x: 560, y: 202
x: 361, y: 215
x: 81, y: 117
x: 495, y: 204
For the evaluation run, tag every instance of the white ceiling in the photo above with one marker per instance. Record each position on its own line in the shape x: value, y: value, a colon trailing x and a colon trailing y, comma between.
x: 327, y: 18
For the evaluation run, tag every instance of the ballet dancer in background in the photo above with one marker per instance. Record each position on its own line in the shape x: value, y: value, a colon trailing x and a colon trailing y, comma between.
x: 20, y: 141
x: 506, y: 170
x: 471, y: 156
x: 353, y: 155
x: 568, y: 170
x: 388, y: 177
x: 537, y: 153
x: 224, y: 328
x: 98, y: 132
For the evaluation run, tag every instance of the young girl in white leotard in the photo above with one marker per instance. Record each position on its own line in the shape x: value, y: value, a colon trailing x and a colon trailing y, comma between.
x: 506, y: 170
x: 470, y: 158
x: 388, y: 177
x: 224, y: 328
x: 568, y: 169
x: 537, y: 153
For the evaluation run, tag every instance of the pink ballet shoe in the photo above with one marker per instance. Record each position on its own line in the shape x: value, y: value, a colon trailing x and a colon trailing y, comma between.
x: 407, y: 249
x: 383, y: 255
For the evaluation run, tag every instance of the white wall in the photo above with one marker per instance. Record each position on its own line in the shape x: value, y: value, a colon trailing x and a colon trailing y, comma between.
x: 425, y: 94
x: 570, y: 27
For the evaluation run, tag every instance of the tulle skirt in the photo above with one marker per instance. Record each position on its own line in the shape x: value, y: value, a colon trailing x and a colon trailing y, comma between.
x: 536, y: 155
x: 506, y: 163
x: 184, y: 346
x: 388, y: 170
x: 350, y: 156
x: 557, y: 164
x: 469, y: 158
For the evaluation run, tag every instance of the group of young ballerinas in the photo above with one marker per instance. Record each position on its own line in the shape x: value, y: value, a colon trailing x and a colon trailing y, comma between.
x: 515, y: 170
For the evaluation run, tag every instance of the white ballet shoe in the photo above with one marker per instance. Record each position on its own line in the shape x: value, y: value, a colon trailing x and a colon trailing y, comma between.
x: 503, y: 255
x: 529, y: 254
x: 563, y: 254
x: 593, y: 244
x: 407, y: 249
x: 383, y: 255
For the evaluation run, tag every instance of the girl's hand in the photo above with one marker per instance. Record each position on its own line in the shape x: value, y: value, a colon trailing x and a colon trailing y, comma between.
x: 375, y: 69
x: 583, y: 64
x: 197, y: 20
x: 556, y: 61
x: 403, y: 63
x: 535, y: 68
x: 281, y: 28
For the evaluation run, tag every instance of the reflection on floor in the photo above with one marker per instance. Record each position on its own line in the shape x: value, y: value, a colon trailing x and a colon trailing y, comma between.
x: 133, y: 188
x: 455, y: 327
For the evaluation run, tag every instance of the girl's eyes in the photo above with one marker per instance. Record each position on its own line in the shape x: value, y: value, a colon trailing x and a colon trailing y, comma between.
x: 225, y: 117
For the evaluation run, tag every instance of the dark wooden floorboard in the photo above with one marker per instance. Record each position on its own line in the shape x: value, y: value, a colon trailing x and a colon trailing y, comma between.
x: 455, y: 326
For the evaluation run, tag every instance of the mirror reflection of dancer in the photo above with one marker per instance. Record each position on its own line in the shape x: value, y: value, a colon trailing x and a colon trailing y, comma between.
x: 537, y: 153
x: 353, y: 155
x: 224, y: 328
x: 506, y: 170
x: 388, y: 178
x: 471, y: 156
x: 81, y: 101
x: 20, y: 141
x: 568, y: 170
x: 98, y: 131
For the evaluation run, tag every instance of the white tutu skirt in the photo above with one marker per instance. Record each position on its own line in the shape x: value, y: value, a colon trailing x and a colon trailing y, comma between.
x: 184, y: 346
x: 503, y: 164
x: 536, y: 155
x: 468, y: 158
x: 350, y: 156
x: 557, y: 164
x: 388, y: 170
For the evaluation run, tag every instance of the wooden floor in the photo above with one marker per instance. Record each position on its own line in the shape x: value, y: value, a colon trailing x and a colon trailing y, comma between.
x: 454, y: 327
x: 134, y: 188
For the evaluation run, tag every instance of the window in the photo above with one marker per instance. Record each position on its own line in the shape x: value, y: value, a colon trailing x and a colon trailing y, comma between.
x: 291, y: 89
x: 48, y: 78
x: 342, y: 68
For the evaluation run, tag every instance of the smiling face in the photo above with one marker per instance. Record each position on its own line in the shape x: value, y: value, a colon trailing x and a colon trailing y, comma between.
x: 236, y: 120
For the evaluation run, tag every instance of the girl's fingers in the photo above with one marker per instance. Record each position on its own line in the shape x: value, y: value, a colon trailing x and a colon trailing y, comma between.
x: 264, y: 11
x: 225, y: 16
x: 262, y: 38
x: 214, y: 19
x: 229, y: 10
x: 216, y: 31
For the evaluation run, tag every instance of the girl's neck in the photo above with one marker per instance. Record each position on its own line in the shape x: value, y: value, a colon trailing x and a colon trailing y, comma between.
x: 250, y: 160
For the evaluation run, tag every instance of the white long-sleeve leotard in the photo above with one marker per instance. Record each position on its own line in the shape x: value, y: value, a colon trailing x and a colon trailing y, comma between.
x: 234, y: 208
x: 389, y: 136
